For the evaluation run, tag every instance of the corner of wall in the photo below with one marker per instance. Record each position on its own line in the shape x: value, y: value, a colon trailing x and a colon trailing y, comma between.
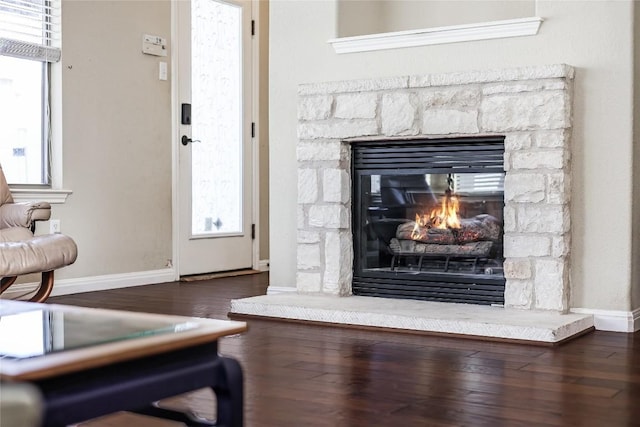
x: 635, y: 206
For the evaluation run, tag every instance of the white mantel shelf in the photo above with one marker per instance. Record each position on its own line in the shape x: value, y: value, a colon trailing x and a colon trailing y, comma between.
x: 438, y: 35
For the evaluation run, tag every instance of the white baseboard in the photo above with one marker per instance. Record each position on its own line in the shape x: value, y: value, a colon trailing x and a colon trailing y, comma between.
x: 273, y: 290
x: 263, y: 265
x: 97, y: 283
x: 613, y: 320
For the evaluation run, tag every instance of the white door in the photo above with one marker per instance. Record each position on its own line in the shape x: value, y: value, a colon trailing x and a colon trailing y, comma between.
x: 213, y: 96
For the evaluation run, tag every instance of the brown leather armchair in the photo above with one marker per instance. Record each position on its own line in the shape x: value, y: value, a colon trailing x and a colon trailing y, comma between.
x: 23, y: 253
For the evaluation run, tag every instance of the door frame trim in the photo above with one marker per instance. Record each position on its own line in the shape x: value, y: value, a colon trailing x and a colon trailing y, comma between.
x: 175, y: 143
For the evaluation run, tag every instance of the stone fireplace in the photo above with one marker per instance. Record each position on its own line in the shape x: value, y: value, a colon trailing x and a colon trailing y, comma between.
x: 530, y: 107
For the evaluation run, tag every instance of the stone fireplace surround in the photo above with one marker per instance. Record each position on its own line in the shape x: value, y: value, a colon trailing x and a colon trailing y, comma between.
x: 530, y: 106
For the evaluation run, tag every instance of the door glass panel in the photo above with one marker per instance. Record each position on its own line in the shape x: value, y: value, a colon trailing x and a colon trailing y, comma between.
x: 216, y: 98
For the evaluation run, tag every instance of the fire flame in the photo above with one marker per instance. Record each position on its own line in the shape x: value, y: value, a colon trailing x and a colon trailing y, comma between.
x: 444, y: 216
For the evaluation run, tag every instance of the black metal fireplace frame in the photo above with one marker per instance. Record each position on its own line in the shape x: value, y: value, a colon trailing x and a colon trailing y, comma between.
x: 428, y: 155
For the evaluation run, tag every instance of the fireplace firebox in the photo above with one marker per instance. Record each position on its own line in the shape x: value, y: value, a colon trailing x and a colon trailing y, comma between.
x: 428, y: 219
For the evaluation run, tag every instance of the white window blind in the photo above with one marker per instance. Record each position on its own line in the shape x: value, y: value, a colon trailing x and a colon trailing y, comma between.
x: 478, y: 182
x: 30, y: 29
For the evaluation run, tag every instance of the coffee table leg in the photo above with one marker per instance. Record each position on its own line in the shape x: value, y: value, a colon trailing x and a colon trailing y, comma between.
x: 187, y: 418
x: 229, y: 393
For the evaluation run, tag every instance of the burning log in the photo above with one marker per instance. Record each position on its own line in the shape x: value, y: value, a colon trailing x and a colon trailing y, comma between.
x: 443, y: 234
x: 473, y: 249
x: 479, y: 228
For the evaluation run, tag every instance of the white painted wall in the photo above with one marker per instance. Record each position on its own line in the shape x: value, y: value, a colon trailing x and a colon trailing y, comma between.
x: 117, y: 142
x: 594, y: 37
x: 379, y: 16
x: 356, y: 18
x: 116, y: 137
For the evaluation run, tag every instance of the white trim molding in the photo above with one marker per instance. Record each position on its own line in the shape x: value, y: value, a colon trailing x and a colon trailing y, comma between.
x: 438, y: 35
x: 263, y: 265
x: 274, y: 290
x: 613, y: 320
x: 41, y: 195
x: 97, y: 283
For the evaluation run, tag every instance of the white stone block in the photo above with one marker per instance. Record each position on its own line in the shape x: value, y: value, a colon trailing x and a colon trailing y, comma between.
x: 509, y: 218
x: 455, y: 97
x: 518, y: 294
x: 524, y: 187
x: 336, y: 186
x: 542, y: 218
x: 314, y: 107
x: 308, y: 237
x: 420, y: 81
x: 550, y: 284
x: 329, y: 216
x: 517, y: 268
x: 308, y: 257
x: 522, y: 246
x: 558, y: 188
x: 507, y: 161
x: 398, y: 114
x: 561, y: 246
x: 370, y: 85
x: 330, y: 288
x: 518, y: 141
x: 356, y: 106
x: 307, y: 185
x: 552, y: 139
x: 301, y: 217
x: 337, y: 129
x: 319, y: 150
x: 522, y: 112
x: 444, y: 122
x: 549, y: 159
x: 338, y: 262
x: 499, y: 75
x: 524, y: 86
x: 307, y: 282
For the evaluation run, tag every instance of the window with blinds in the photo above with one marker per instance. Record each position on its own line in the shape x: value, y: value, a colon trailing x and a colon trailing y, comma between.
x: 30, y: 29
x: 29, y: 43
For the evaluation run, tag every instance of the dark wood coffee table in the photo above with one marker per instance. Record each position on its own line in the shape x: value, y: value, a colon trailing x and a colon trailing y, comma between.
x: 92, y: 362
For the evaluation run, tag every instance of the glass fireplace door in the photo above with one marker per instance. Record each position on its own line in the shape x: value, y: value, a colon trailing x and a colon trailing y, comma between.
x: 429, y: 230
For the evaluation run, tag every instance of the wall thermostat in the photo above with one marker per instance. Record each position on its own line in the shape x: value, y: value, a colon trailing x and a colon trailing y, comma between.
x: 154, y: 45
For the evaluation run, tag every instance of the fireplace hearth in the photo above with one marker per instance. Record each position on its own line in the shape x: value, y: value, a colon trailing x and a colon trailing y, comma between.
x: 428, y: 219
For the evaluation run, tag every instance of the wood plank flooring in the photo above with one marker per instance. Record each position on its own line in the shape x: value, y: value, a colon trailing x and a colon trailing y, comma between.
x: 310, y: 375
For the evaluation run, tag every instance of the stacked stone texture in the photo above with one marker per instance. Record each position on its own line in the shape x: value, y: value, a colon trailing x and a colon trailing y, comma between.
x: 530, y: 106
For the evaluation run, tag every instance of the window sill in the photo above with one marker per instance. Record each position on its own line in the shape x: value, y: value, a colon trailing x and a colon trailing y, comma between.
x: 52, y: 196
x: 440, y: 35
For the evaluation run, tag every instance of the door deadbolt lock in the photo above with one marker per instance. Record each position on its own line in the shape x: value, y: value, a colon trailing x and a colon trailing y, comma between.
x: 186, y: 140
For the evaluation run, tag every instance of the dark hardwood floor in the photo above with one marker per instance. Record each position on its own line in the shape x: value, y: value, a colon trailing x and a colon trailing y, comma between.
x: 310, y: 375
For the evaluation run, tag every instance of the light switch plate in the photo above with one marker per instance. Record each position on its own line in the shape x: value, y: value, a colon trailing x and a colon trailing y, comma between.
x: 162, y: 70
